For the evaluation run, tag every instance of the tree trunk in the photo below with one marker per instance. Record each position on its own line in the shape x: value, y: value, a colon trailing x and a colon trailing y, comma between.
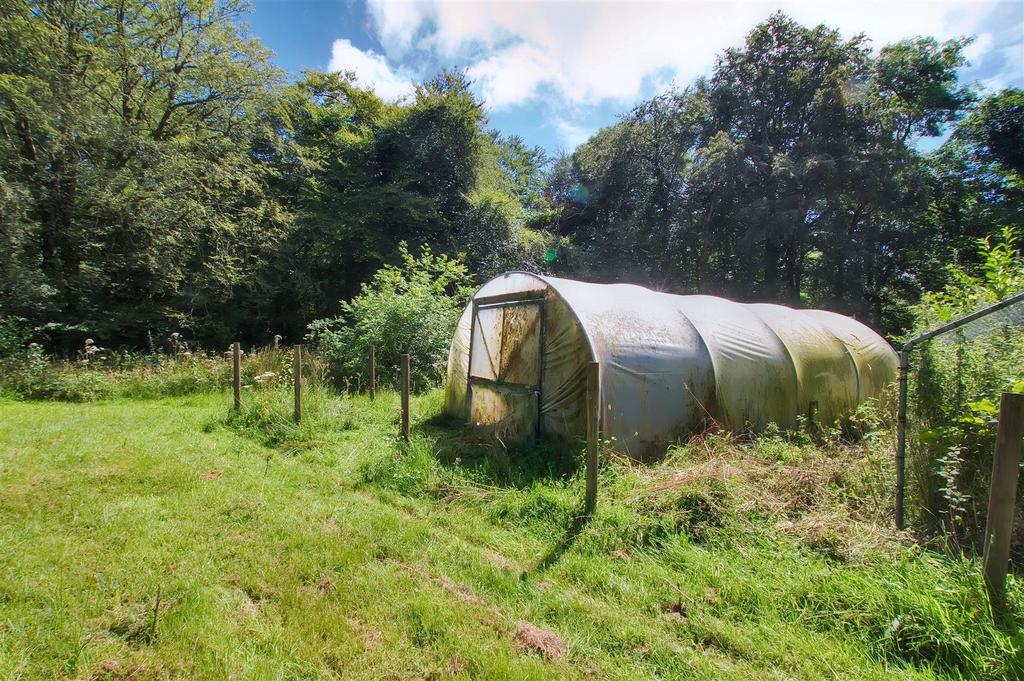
x: 770, y: 285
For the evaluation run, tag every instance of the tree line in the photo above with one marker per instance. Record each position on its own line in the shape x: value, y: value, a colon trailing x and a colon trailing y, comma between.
x: 158, y: 174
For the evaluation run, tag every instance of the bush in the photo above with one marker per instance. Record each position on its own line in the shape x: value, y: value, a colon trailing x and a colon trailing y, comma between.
x: 412, y: 308
x: 14, y: 334
x: 955, y: 393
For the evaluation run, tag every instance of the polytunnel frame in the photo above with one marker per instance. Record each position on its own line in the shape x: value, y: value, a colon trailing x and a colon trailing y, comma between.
x: 538, y: 296
x: 904, y: 365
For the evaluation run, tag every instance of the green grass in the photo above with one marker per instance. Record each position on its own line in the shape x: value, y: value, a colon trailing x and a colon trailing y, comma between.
x: 171, y: 538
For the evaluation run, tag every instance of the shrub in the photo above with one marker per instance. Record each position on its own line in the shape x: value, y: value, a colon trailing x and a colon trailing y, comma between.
x: 409, y: 308
x: 29, y: 374
x: 14, y: 334
x: 955, y: 392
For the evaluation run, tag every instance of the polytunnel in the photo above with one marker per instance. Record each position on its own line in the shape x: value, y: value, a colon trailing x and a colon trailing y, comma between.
x: 668, y: 364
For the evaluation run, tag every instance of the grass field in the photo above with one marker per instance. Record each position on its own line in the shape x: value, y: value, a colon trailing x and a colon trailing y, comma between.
x: 168, y: 539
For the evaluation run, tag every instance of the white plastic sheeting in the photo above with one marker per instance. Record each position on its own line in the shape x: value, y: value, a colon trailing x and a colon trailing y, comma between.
x: 668, y: 364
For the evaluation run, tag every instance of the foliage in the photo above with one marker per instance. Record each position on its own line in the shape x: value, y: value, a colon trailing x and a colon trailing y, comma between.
x: 956, y: 389
x: 156, y: 175
x: 789, y: 174
x: 996, y: 130
x: 125, y: 152
x: 14, y: 335
x: 412, y: 308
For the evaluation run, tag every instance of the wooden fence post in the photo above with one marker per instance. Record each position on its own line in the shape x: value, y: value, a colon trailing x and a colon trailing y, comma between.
x: 405, y: 397
x: 373, y: 371
x: 297, y: 368
x: 593, y: 420
x: 236, y: 357
x: 1005, y: 471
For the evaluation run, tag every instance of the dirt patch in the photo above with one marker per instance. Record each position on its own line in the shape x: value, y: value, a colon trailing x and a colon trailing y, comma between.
x: 499, y: 561
x: 531, y: 638
x: 454, y: 666
x: 463, y: 593
x: 211, y: 475
x: 114, y: 670
x: 248, y: 609
x: 675, y: 610
x: 372, y: 638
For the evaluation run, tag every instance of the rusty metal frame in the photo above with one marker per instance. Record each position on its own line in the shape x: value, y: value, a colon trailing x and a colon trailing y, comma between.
x: 512, y: 299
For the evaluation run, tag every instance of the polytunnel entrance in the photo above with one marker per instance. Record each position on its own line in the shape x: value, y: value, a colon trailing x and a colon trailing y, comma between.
x: 506, y: 363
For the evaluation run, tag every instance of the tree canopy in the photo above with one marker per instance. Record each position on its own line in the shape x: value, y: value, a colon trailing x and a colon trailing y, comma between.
x: 158, y: 174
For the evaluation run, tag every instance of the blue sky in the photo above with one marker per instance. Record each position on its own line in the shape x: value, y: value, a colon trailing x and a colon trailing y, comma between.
x: 555, y: 72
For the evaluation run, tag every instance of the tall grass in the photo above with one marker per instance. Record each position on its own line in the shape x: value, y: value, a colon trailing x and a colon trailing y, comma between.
x: 790, y: 530
x: 30, y: 374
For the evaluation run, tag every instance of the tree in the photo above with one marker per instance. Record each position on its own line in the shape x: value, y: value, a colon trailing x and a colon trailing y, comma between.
x: 364, y: 176
x: 125, y: 131
x: 995, y: 131
x: 408, y: 308
x: 790, y: 174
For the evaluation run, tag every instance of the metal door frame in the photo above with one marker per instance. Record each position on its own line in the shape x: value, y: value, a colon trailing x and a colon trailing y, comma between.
x: 537, y: 298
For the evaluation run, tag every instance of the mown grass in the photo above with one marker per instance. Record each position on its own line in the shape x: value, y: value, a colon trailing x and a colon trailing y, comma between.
x: 175, y: 538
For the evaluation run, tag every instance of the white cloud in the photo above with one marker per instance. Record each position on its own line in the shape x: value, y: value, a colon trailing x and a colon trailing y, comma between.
x: 371, y: 69
x: 571, y: 134
x: 397, y: 22
x: 511, y: 75
x: 590, y: 52
x: 983, y: 42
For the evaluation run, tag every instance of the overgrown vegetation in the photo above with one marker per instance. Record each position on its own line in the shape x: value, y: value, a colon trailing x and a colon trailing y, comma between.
x: 342, y: 552
x: 956, y: 385
x: 99, y: 373
x: 412, y: 308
